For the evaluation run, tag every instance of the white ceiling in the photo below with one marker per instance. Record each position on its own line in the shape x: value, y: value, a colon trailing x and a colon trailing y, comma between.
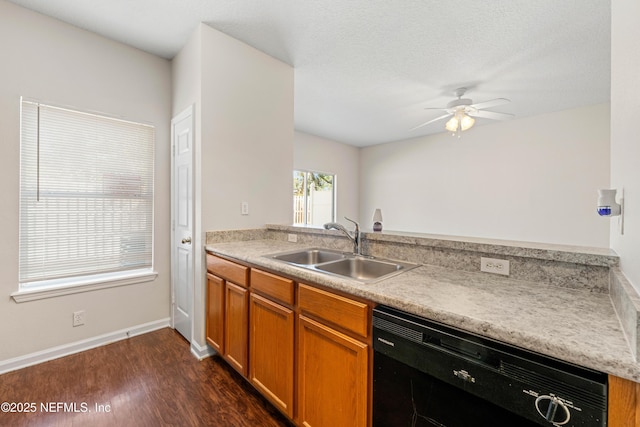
x: 365, y: 69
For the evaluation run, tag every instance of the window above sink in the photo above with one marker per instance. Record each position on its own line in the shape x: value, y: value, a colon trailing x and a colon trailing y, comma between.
x: 314, y: 198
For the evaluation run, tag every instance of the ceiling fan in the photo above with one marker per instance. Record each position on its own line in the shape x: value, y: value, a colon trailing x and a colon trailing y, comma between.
x: 462, y: 112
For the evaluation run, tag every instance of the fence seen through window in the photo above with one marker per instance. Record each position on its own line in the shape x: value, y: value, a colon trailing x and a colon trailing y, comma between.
x: 313, y: 198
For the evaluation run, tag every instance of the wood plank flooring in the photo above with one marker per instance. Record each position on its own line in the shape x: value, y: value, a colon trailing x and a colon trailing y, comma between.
x: 148, y: 380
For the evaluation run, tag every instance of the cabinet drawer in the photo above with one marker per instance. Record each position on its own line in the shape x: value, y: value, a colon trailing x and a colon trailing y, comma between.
x: 236, y: 273
x: 347, y: 313
x: 273, y: 286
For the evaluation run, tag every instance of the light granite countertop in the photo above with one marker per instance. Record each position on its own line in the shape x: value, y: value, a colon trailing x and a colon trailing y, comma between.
x: 571, y: 325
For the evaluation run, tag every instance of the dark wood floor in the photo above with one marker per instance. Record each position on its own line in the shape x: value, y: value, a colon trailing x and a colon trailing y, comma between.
x: 148, y: 380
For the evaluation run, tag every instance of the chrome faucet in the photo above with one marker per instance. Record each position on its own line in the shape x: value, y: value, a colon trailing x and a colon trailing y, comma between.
x: 356, y: 234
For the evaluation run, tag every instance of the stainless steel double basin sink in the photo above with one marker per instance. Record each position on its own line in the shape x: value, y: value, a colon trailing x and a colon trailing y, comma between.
x: 344, y: 264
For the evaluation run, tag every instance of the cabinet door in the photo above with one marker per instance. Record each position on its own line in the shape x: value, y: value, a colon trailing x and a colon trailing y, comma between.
x: 271, y: 351
x: 215, y: 312
x: 332, y: 377
x: 236, y: 326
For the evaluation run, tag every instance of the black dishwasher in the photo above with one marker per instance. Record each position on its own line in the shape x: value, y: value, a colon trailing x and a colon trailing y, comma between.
x: 429, y: 374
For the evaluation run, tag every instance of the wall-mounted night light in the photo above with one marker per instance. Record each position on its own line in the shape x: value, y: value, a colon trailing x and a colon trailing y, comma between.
x: 607, y: 205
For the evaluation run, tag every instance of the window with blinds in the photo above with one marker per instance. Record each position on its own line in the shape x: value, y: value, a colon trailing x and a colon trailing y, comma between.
x: 86, y: 196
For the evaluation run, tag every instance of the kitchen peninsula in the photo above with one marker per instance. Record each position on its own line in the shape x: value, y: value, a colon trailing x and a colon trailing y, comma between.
x: 565, y: 302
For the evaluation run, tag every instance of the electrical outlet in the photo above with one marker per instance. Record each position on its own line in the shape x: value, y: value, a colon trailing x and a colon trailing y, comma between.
x: 496, y: 266
x: 244, y: 208
x: 292, y: 238
x: 78, y: 318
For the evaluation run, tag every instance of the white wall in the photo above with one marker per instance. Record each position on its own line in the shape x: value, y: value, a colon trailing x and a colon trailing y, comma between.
x: 314, y: 153
x: 57, y: 63
x: 186, y: 70
x: 625, y: 143
x: 531, y: 179
x: 244, y: 139
x: 247, y: 134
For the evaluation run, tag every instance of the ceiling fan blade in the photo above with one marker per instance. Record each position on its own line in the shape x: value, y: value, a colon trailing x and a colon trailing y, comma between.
x: 491, y: 103
x: 430, y: 121
x: 490, y: 115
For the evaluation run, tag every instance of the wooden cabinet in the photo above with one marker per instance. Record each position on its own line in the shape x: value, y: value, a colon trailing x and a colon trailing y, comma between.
x: 307, y: 350
x: 228, y: 270
x: 271, y: 352
x: 333, y: 365
x: 338, y: 310
x: 215, y: 312
x: 228, y: 311
x: 271, y: 338
x: 236, y: 327
x: 273, y: 287
x: 624, y: 402
x: 332, y: 377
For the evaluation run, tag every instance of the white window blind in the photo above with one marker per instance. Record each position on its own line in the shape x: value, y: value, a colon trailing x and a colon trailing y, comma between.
x: 86, y: 195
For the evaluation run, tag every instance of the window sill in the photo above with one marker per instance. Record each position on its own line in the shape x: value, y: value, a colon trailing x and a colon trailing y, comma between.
x: 84, y: 285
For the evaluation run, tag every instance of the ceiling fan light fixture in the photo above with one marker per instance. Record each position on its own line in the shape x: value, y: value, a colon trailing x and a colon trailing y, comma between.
x: 461, y: 112
x: 452, y: 124
x: 466, y: 122
x: 459, y: 122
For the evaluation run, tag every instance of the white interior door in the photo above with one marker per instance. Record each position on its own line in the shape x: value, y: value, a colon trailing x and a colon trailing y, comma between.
x: 182, y: 223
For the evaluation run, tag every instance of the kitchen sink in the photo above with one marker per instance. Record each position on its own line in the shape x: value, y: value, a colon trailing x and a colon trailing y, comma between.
x: 310, y: 256
x: 361, y: 268
x: 343, y: 264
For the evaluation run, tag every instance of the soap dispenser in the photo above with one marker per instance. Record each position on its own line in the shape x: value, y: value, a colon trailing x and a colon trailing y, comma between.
x: 377, y: 220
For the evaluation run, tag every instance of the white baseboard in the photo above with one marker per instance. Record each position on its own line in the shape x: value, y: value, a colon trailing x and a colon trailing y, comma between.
x: 79, y: 346
x: 201, y: 352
